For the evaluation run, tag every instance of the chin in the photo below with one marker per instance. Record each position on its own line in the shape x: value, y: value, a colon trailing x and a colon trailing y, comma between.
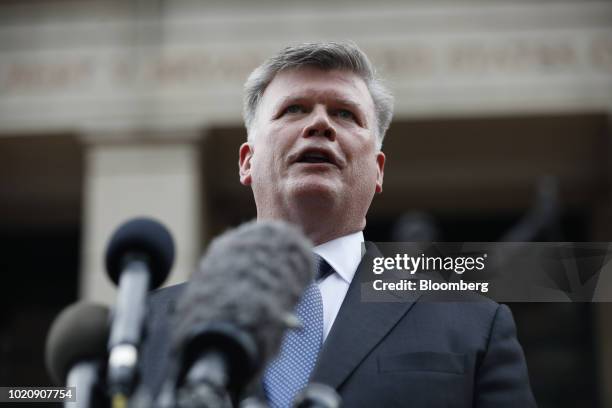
x: 318, y: 190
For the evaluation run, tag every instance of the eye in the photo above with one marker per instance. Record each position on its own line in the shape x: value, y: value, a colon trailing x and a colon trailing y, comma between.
x: 345, y: 114
x: 294, y: 109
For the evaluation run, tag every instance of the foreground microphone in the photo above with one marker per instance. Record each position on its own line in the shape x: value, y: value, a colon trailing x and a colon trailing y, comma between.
x: 236, y: 309
x: 76, y: 351
x: 317, y: 395
x: 138, y: 259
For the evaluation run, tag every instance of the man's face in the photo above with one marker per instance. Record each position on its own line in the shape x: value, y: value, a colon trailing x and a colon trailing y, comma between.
x: 313, y: 142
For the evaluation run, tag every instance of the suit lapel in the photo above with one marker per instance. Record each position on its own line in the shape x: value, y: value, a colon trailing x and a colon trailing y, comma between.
x: 358, y: 328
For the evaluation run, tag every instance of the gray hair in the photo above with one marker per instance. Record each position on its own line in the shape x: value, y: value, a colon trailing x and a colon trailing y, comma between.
x: 326, y: 56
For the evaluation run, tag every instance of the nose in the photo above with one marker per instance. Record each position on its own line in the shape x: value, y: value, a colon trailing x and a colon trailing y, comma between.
x: 320, y: 125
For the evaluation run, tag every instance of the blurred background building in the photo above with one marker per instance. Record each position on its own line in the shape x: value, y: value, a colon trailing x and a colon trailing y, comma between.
x: 111, y: 109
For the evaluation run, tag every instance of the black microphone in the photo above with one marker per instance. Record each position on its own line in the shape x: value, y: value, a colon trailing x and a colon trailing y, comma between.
x: 138, y: 259
x: 236, y: 309
x: 75, y: 352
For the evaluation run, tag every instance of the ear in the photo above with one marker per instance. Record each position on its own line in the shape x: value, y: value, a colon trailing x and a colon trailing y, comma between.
x: 245, y: 154
x: 380, y: 164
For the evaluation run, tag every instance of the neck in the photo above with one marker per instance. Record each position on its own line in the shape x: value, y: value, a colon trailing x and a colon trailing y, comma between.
x: 319, y: 227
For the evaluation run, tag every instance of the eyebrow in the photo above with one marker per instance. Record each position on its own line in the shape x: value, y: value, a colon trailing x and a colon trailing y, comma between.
x: 353, y: 105
x: 290, y: 100
x: 287, y: 100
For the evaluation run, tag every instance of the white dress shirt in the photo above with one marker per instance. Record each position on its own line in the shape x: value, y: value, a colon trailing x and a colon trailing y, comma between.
x: 344, y: 255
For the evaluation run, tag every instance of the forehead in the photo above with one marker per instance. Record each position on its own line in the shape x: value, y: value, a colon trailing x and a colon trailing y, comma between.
x: 324, y: 86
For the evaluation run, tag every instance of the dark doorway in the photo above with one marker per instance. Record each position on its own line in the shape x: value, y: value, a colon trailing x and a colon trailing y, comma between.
x: 41, y: 179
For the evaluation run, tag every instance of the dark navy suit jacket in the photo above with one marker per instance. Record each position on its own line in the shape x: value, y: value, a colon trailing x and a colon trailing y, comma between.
x: 417, y: 352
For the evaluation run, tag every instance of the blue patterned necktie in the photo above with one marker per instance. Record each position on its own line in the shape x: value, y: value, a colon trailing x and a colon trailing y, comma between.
x: 288, y: 374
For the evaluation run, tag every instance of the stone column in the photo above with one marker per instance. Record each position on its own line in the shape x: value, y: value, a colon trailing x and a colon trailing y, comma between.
x: 139, y: 174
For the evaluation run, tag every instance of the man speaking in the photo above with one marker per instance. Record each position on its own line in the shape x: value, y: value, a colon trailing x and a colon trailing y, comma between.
x: 316, y: 116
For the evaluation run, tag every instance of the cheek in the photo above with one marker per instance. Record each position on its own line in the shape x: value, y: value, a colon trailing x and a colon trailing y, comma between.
x: 365, y: 165
x: 279, y: 141
x: 268, y: 156
x: 262, y: 163
x: 361, y: 151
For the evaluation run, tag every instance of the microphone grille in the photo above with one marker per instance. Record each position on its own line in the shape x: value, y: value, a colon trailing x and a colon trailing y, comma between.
x: 252, y: 277
x: 80, y: 332
x: 144, y: 236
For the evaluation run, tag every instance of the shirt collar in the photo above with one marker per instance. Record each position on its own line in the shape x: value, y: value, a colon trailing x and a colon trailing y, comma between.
x: 343, y: 254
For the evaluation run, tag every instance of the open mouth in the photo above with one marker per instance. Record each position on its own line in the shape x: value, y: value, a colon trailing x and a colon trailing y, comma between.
x: 316, y: 157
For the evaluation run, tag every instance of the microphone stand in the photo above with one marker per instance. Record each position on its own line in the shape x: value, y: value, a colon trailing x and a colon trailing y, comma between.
x: 206, y: 384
